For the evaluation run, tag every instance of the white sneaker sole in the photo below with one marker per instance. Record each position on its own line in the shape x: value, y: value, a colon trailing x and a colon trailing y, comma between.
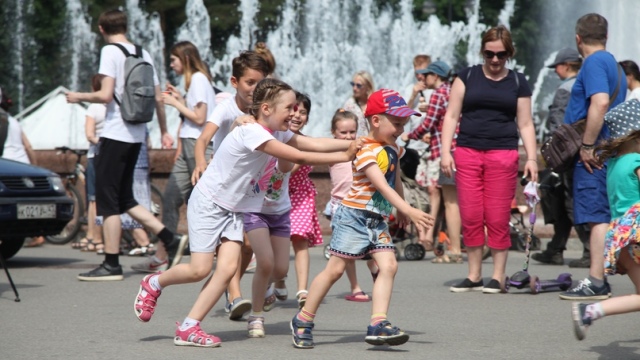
x: 101, y: 278
x: 461, y: 290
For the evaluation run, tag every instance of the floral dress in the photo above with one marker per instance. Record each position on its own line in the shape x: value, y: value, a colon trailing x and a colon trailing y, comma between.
x: 623, y: 231
x: 304, y: 217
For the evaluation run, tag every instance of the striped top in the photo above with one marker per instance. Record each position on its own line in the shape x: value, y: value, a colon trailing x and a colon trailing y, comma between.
x: 363, y: 195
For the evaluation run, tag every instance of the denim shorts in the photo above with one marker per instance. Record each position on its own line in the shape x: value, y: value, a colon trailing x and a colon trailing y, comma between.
x: 90, y: 180
x: 357, y: 233
x: 278, y: 225
x: 590, y: 201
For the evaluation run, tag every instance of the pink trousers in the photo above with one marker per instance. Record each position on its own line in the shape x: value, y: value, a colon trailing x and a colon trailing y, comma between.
x: 486, y: 184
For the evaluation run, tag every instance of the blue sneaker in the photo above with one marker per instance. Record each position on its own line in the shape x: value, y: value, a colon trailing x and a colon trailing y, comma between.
x: 581, y: 321
x: 587, y: 291
x: 301, y: 331
x: 385, y: 333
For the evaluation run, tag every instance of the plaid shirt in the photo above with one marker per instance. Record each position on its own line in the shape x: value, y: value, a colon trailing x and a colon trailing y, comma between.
x: 433, y: 121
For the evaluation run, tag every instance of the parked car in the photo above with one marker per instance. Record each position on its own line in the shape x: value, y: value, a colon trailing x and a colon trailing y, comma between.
x: 33, y: 202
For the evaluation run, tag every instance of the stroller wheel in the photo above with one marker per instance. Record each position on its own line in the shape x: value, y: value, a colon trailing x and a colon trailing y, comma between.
x: 412, y: 252
x: 421, y: 251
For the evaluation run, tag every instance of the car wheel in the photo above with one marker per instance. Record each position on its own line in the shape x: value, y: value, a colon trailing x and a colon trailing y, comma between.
x: 10, y: 247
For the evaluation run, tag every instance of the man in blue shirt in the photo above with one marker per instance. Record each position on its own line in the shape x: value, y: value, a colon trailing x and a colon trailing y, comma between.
x: 600, y: 86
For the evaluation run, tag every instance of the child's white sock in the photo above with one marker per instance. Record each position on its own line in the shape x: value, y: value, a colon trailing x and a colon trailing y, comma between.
x: 155, y: 284
x: 594, y: 311
x: 256, y: 313
x: 188, y: 323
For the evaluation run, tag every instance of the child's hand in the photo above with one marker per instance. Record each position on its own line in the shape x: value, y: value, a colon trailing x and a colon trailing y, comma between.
x: 197, y: 172
x: 173, y: 90
x: 353, y: 149
x: 422, y: 220
x: 244, y: 119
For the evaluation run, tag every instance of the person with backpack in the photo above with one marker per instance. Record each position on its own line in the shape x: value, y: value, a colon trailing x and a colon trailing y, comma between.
x: 131, y: 91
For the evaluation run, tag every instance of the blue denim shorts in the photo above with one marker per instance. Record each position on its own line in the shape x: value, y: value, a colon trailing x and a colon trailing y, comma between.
x: 357, y: 233
x: 590, y: 201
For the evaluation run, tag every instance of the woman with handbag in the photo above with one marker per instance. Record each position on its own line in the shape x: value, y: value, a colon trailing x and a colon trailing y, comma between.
x: 486, y: 99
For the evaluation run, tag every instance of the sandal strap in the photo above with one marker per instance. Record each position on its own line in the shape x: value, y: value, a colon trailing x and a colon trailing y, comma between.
x: 302, y: 292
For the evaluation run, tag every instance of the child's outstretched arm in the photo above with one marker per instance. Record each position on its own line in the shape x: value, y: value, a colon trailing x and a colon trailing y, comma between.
x: 199, y: 151
x: 306, y: 143
x: 422, y: 220
x: 289, y: 153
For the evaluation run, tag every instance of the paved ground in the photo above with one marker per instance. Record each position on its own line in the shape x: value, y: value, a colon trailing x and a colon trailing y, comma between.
x: 62, y: 318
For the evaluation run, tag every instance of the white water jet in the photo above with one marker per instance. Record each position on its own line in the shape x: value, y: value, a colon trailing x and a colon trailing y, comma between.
x: 145, y: 30
x: 18, y: 45
x: 540, y: 106
x: 197, y: 29
x: 82, y: 41
x: 506, y: 13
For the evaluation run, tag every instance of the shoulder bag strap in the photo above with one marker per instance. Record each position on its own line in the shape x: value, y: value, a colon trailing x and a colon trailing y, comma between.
x: 615, y: 93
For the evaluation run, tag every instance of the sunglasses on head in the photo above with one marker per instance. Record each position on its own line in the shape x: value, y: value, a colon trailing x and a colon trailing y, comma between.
x: 359, y: 86
x: 488, y: 54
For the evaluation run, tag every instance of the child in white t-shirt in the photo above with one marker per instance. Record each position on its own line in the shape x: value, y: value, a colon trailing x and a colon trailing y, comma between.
x: 232, y: 185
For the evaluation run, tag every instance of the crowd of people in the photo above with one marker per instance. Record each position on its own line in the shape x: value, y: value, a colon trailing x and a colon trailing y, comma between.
x: 243, y: 164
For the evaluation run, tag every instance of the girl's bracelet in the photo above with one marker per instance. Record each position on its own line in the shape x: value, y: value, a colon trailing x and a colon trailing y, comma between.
x: 536, y: 160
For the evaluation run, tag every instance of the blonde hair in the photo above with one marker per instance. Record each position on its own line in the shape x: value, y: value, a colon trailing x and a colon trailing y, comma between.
x: 267, y: 91
x: 342, y: 114
x: 367, y: 79
x: 191, y: 61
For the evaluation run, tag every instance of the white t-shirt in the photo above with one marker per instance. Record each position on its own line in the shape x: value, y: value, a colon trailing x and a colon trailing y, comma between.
x: 13, y: 146
x: 633, y: 94
x: 98, y: 113
x: 112, y: 65
x: 276, y: 197
x: 223, y: 116
x: 235, y: 180
x: 200, y: 91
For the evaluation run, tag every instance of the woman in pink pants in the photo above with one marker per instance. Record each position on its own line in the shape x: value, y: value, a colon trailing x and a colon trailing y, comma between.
x: 493, y: 105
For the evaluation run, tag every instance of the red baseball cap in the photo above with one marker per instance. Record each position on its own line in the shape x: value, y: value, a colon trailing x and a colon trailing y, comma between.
x: 387, y: 101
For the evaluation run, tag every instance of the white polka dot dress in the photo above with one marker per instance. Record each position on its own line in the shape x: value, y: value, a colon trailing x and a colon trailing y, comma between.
x: 304, y: 217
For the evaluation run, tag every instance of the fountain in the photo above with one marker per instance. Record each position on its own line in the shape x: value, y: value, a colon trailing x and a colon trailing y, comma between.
x: 82, y: 43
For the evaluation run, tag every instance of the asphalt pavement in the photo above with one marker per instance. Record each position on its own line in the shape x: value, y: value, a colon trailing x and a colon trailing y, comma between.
x: 60, y: 317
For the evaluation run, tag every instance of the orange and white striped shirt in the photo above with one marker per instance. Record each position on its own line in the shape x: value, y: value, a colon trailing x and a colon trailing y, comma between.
x: 363, y: 195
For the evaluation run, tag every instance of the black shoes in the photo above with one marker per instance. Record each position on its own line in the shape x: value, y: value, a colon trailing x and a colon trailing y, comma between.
x: 546, y: 257
x: 104, y: 272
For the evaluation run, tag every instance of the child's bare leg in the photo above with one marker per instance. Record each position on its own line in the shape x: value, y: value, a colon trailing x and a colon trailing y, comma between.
x: 280, y: 246
x: 383, y: 286
x: 243, y: 261
x: 452, y: 215
x: 227, y: 264
x: 323, y: 282
x: 434, y: 201
x: 197, y: 269
x: 261, y: 245
x: 628, y: 303
x: 350, y: 269
x: 301, y: 251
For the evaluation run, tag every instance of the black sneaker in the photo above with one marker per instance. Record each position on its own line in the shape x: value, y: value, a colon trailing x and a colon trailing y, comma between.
x: 467, y: 285
x: 587, y: 291
x: 580, y: 263
x: 493, y: 287
x: 103, y: 272
x: 581, y: 321
x: 175, y: 249
x: 547, y: 257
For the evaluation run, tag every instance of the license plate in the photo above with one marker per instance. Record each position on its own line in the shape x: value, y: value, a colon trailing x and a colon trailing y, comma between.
x: 36, y: 211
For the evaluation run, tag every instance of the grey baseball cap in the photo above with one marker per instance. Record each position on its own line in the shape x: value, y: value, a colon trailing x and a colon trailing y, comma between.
x: 566, y: 55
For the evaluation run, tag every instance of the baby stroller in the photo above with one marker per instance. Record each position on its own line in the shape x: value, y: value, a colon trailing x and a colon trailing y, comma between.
x: 405, y: 240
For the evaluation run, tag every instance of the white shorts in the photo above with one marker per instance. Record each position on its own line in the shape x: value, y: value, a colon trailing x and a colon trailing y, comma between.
x: 208, y: 224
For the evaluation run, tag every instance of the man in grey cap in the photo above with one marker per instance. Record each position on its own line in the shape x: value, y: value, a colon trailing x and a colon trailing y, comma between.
x: 557, y: 197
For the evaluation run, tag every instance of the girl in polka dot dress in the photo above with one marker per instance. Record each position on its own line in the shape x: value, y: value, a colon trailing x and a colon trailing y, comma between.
x: 305, y: 226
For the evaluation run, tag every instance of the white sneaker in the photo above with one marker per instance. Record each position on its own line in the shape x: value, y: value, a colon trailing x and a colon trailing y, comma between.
x: 150, y: 265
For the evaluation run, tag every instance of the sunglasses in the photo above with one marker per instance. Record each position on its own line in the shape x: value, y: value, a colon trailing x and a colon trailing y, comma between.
x: 359, y: 86
x: 489, y: 55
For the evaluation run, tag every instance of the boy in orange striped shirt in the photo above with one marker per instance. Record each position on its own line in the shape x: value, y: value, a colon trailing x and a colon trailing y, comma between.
x: 359, y: 223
